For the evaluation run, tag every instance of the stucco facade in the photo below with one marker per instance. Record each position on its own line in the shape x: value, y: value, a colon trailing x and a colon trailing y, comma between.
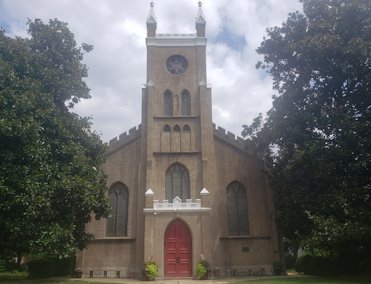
x: 177, y: 233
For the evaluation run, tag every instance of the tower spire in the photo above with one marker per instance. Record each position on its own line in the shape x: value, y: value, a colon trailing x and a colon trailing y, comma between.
x: 200, y: 21
x: 151, y: 21
x: 151, y: 15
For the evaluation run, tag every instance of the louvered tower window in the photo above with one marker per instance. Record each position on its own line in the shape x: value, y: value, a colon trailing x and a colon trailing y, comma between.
x: 168, y: 103
x: 186, y: 103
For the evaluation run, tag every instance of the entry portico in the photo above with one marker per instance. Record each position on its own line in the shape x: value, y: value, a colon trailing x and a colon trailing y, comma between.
x: 177, y: 224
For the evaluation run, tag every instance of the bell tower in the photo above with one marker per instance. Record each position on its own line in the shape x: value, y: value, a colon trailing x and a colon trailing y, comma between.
x: 177, y: 115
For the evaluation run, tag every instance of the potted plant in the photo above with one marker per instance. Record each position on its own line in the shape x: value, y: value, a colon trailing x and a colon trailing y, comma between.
x: 202, y: 270
x: 150, y: 270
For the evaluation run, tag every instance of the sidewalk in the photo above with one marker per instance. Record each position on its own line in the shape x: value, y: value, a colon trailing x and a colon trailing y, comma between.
x: 159, y: 281
x: 219, y: 280
x: 176, y: 281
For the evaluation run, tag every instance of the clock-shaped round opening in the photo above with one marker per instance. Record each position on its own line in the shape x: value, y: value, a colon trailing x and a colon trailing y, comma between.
x: 176, y: 64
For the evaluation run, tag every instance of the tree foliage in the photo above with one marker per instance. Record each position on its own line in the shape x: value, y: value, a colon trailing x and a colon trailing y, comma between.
x: 50, y: 159
x: 317, y: 136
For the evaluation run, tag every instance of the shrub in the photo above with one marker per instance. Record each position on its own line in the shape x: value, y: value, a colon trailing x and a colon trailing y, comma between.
x: 315, y: 265
x: 8, y: 263
x: 290, y: 261
x: 46, y: 266
x: 150, y: 270
x: 2, y: 266
x: 278, y: 267
x: 320, y: 265
x: 41, y: 267
x: 202, y: 270
x: 64, y: 266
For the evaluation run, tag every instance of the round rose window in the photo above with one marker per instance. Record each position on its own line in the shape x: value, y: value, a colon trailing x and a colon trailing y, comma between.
x: 176, y: 64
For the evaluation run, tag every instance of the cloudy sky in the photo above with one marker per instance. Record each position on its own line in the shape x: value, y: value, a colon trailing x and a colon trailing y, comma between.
x: 117, y: 65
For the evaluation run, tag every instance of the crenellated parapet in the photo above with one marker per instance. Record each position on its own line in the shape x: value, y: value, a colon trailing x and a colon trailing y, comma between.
x: 124, y: 138
x: 229, y: 137
x: 177, y: 206
x: 199, y: 205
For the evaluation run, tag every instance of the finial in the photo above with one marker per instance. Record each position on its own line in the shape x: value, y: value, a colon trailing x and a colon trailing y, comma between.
x: 151, y: 16
x: 200, y: 19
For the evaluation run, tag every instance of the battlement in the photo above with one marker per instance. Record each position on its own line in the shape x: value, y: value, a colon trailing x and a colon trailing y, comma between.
x: 177, y: 206
x: 176, y: 35
x: 229, y: 137
x: 124, y: 138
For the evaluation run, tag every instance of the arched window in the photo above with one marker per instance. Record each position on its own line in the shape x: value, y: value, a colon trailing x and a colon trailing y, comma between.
x: 177, y: 183
x: 186, y: 128
x: 168, y: 103
x: 186, y: 103
x: 237, y: 210
x: 176, y: 128
x: 117, y: 223
x: 167, y: 128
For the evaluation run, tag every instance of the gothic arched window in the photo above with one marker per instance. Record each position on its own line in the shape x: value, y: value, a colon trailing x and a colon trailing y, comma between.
x: 186, y: 103
x: 186, y: 128
x: 177, y: 183
x: 176, y: 128
x: 168, y: 103
x: 238, y: 223
x: 167, y: 128
x: 117, y: 222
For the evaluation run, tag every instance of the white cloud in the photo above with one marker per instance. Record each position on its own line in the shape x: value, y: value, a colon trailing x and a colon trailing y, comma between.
x: 117, y: 29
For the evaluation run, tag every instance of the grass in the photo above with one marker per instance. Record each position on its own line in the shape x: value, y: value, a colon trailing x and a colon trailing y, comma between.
x: 354, y: 279
x: 21, y: 278
x: 15, y: 275
x: 47, y: 281
x: 293, y: 280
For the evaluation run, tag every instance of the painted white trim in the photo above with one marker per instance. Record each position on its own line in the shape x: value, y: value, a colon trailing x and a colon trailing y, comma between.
x: 190, y: 210
x: 149, y: 192
x: 176, y: 40
x: 177, y: 206
x: 204, y: 191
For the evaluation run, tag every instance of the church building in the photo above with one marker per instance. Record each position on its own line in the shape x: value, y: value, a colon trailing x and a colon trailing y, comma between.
x: 181, y: 188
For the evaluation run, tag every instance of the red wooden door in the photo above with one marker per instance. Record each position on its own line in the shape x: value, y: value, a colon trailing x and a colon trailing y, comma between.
x: 178, y: 250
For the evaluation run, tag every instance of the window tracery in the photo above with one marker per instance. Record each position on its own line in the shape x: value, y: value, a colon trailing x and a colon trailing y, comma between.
x: 117, y: 222
x: 238, y: 224
x: 177, y: 183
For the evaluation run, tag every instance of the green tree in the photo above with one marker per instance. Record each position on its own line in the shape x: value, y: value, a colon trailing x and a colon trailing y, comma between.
x: 317, y: 136
x: 51, y: 180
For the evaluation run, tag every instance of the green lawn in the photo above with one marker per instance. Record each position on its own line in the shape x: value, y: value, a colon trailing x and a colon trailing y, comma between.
x: 52, y: 281
x: 22, y: 279
x: 309, y: 280
x: 47, y: 281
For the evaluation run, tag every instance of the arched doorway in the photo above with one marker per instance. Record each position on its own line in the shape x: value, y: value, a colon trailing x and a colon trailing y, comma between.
x: 178, y: 250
